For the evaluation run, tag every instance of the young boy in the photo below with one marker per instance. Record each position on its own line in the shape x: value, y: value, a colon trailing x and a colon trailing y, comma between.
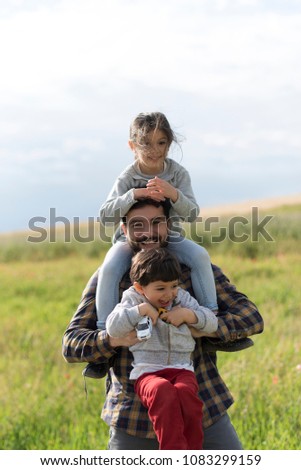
x: 162, y: 369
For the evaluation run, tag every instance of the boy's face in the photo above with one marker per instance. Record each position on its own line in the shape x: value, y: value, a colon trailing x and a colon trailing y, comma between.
x: 160, y: 294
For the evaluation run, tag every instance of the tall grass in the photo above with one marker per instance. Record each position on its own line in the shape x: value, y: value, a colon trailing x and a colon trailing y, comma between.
x: 265, y: 380
x: 222, y: 237
x: 256, y: 233
x: 43, y: 403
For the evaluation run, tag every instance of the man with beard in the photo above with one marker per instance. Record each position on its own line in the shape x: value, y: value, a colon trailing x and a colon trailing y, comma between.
x: 146, y: 226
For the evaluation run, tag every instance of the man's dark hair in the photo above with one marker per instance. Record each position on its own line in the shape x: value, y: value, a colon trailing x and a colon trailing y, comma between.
x: 156, y: 264
x: 151, y: 202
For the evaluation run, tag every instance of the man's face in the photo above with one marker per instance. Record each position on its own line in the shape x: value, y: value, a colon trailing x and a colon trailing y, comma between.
x: 146, y: 227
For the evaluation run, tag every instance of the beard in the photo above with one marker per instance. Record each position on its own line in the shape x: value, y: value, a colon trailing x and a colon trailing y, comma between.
x: 144, y: 242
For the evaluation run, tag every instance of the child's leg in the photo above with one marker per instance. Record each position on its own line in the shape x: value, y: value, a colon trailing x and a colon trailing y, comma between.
x: 115, y: 265
x: 192, y: 408
x: 160, y: 397
x: 197, y: 259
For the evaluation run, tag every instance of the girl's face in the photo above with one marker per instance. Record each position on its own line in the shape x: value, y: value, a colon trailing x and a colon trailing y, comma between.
x: 152, y: 153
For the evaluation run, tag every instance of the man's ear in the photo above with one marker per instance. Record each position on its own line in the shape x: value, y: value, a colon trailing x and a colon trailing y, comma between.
x: 124, y: 228
x: 138, y: 287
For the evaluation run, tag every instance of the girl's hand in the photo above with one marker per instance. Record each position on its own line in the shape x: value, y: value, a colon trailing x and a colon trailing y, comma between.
x: 159, y: 186
x: 147, y: 310
x: 145, y: 193
x: 178, y: 315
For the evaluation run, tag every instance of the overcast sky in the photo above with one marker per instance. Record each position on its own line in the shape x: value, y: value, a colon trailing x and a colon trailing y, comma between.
x: 75, y: 72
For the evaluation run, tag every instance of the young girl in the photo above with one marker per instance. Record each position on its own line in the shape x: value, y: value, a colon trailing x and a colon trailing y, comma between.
x: 152, y: 175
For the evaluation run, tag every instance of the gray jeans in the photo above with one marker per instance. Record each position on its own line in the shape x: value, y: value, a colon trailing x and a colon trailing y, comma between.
x: 220, y: 436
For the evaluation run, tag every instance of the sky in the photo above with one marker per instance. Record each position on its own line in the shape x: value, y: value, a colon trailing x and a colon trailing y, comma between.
x: 74, y: 73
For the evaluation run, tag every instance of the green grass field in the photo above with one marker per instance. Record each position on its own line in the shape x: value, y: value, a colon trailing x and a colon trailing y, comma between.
x: 43, y: 401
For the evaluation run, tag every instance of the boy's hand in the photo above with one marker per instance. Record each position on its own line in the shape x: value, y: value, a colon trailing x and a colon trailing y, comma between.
x: 178, y: 315
x: 147, y: 310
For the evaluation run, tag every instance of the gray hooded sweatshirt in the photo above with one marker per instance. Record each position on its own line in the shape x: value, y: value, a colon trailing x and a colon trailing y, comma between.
x: 169, y: 346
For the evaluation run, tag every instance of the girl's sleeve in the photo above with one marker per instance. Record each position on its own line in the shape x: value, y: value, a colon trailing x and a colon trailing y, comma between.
x: 119, y: 201
x: 186, y: 205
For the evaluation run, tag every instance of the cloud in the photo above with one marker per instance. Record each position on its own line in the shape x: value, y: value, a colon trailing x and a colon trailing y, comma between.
x: 222, y: 50
x: 277, y: 139
x: 75, y: 72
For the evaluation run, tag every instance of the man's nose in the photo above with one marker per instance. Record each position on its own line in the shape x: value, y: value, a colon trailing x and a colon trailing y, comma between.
x: 145, y: 230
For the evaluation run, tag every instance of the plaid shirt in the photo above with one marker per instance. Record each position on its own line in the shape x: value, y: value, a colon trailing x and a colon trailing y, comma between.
x: 82, y: 342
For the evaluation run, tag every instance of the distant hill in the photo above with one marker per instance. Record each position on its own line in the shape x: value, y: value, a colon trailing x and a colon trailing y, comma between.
x: 245, y: 206
x: 221, y: 210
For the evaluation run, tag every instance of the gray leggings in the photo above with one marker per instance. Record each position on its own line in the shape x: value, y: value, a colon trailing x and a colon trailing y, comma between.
x: 220, y: 436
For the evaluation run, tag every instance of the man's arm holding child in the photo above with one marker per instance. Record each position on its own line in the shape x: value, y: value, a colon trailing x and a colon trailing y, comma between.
x: 82, y: 341
x: 238, y: 317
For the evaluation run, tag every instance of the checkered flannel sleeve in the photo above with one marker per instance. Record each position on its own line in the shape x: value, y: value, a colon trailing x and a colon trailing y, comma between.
x: 82, y: 342
x: 238, y: 317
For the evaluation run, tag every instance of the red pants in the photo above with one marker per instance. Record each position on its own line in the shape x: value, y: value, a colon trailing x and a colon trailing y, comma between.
x: 174, y: 407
